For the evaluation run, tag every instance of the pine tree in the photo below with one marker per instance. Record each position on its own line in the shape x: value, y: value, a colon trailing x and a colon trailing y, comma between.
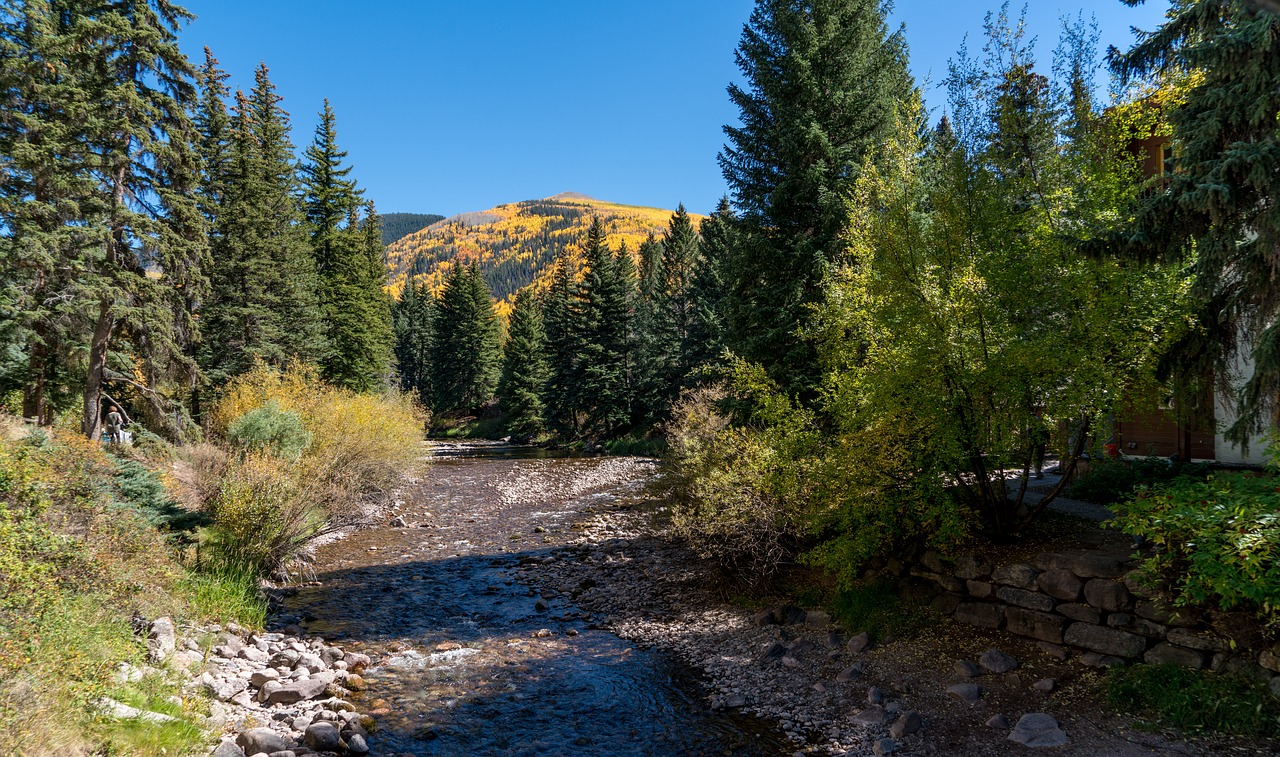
x: 524, y: 368
x: 359, y: 311
x: 328, y: 194
x: 681, y: 259
x: 1217, y: 208
x: 649, y: 350
x: 466, y: 358
x: 822, y: 79
x: 602, y: 327
x: 706, y: 328
x: 263, y: 305
x: 213, y: 124
x: 561, y: 397
x: 139, y: 85
x: 414, y: 323
x: 49, y: 204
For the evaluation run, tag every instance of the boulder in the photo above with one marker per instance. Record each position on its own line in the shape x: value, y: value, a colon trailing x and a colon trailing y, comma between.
x: 1099, y: 565
x: 1160, y: 612
x: 162, y: 639
x: 970, y: 567
x: 227, y: 748
x: 883, y: 747
x: 322, y: 737
x: 946, y: 602
x: 356, y: 744
x: 260, y: 677
x: 907, y: 723
x: 1111, y: 596
x: 1045, y: 684
x: 264, y: 740
x: 1204, y: 642
x: 998, y: 721
x: 1107, y: 641
x: 1037, y: 730
x: 1060, y: 584
x: 966, y: 669
x: 297, y: 691
x: 996, y: 661
x: 1081, y: 612
x: 965, y: 692
x: 851, y: 673
x: 980, y: 589
x: 1035, y: 624
x: 311, y: 663
x: 1017, y: 575
x: 223, y: 689
x: 859, y: 644
x: 817, y: 619
x: 1032, y: 600
x: 1133, y: 624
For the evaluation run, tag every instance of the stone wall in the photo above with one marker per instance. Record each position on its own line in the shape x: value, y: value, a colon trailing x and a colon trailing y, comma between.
x: 1090, y: 603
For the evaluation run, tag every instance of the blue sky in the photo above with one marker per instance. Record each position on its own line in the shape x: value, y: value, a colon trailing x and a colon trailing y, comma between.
x: 446, y: 107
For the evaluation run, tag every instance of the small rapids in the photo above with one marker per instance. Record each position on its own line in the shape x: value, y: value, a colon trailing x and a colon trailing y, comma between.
x: 468, y: 660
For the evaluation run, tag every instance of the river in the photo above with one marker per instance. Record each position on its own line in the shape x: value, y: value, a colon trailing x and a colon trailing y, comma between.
x: 469, y: 660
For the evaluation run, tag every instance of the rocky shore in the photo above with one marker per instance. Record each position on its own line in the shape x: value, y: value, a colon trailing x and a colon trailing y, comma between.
x: 270, y: 693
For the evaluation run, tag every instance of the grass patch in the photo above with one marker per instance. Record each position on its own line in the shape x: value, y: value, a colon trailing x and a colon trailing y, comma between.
x: 224, y: 594
x: 1194, y: 701
x: 879, y: 608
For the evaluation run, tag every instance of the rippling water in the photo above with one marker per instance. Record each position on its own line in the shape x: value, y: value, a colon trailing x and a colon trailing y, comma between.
x: 471, y: 661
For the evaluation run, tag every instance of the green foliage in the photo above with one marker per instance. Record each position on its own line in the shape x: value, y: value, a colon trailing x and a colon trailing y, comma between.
x: 524, y: 368
x: 1109, y: 480
x: 140, y: 489
x: 1216, y: 540
x: 396, y: 226
x: 822, y: 80
x: 413, y: 317
x: 1195, y: 701
x: 270, y: 429
x: 466, y: 352
x: 1215, y: 212
x: 880, y: 609
x: 741, y: 490
x: 601, y: 325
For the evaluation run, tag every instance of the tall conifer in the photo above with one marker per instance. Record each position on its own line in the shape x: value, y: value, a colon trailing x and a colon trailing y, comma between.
x: 524, y: 368
x: 822, y: 80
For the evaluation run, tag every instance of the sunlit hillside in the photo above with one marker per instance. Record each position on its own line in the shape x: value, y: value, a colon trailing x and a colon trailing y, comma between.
x: 516, y: 243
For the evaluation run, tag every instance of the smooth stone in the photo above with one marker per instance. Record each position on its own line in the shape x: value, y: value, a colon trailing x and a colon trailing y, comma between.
x: 884, y: 746
x: 356, y: 744
x: 859, y: 644
x: 872, y: 715
x: 1037, y: 730
x: 906, y: 724
x: 297, y: 691
x: 162, y: 639
x: 262, y: 740
x: 874, y: 695
x: 850, y: 673
x: 227, y: 748
x: 997, y: 662
x: 322, y: 737
x: 1045, y: 684
x: 260, y: 677
x: 999, y: 721
x: 966, y: 669
x: 965, y: 692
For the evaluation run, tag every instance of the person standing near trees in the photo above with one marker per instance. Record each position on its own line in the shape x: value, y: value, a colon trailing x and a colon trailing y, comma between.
x: 115, y: 424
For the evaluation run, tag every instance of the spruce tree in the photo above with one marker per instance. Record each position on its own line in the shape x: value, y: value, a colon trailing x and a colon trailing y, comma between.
x: 681, y: 260
x: 466, y: 358
x: 706, y: 328
x: 358, y: 309
x: 822, y: 82
x: 1217, y: 208
x: 524, y: 368
x: 213, y: 124
x: 328, y: 195
x: 414, y: 323
x: 564, y: 381
x: 140, y: 88
x: 602, y: 326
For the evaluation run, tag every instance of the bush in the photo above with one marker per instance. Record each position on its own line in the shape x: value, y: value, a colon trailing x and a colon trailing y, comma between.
x: 270, y: 429
x: 1193, y: 701
x: 1216, y: 541
x: 1109, y: 480
x: 738, y: 499
x: 283, y: 492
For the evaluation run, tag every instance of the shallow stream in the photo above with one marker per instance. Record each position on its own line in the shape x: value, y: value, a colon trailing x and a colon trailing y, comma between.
x: 469, y: 661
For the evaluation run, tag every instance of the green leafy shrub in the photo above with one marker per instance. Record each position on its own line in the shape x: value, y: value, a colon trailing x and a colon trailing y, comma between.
x: 1109, y: 480
x: 739, y: 491
x: 261, y: 518
x: 1216, y: 540
x: 140, y: 489
x: 1194, y: 701
x: 270, y: 429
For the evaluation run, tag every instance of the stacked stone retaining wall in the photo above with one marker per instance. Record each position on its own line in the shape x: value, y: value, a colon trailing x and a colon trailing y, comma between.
x: 1092, y: 603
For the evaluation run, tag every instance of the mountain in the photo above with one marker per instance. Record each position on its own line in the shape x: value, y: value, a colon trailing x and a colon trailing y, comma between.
x: 515, y: 244
x: 397, y: 225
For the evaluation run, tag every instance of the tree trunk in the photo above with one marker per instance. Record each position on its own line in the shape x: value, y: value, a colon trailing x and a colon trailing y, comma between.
x: 97, y: 368
x: 33, y: 393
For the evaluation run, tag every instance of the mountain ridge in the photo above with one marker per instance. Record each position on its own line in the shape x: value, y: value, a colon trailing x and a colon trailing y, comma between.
x: 516, y: 243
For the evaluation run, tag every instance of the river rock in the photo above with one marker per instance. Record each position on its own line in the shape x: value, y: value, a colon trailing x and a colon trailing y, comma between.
x: 965, y: 692
x: 998, y: 721
x: 997, y: 662
x: 311, y: 662
x: 871, y: 715
x: 322, y: 737
x: 1045, y: 684
x: 162, y: 639
x: 859, y: 644
x: 907, y: 723
x: 121, y: 711
x: 264, y: 740
x: 227, y: 748
x: 260, y: 677
x: 851, y: 673
x: 223, y: 689
x: 1037, y: 729
x: 356, y: 744
x: 297, y: 691
x: 966, y: 669
x: 884, y: 746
